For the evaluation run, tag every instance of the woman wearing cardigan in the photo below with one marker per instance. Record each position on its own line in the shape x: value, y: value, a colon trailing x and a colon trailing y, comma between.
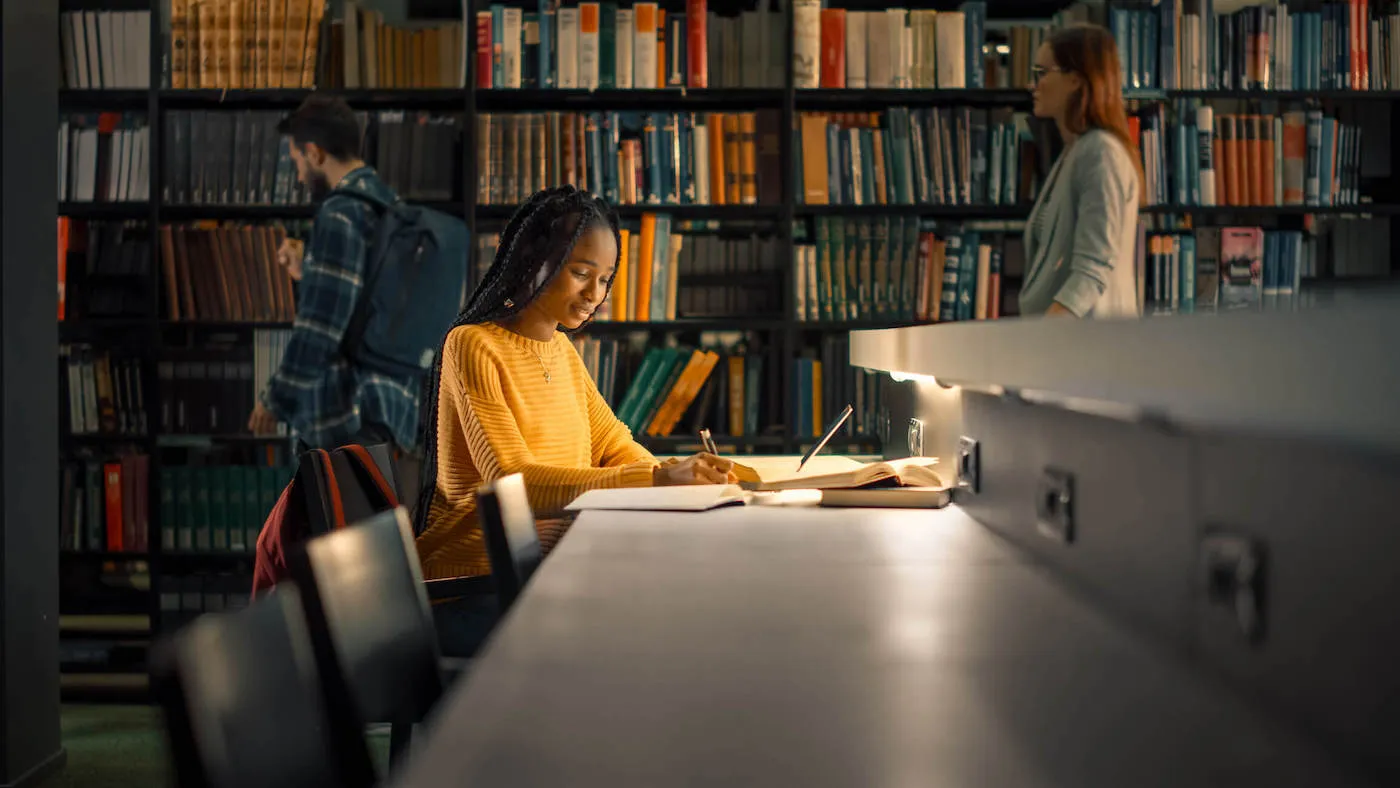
x: 1081, y: 232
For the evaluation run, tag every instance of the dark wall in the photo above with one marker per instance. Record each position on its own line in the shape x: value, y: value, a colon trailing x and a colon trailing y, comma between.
x: 29, y: 729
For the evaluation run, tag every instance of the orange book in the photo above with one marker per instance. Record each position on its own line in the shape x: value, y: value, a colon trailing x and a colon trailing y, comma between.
x: 1254, y: 137
x: 643, y: 268
x: 676, y: 394
x: 715, y: 122
x: 736, y: 396
x: 1266, y: 159
x: 618, y: 296
x: 689, y: 388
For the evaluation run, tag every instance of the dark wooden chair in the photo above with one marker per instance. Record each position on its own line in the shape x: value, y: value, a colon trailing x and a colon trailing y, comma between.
x: 512, y: 543
x: 245, y: 704
x: 371, y: 626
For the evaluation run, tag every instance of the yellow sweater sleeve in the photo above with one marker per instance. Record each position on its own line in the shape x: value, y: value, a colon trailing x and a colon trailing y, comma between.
x: 498, y: 449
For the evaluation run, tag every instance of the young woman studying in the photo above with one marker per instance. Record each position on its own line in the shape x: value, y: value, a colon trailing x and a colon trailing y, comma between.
x: 1081, y: 231
x: 509, y: 394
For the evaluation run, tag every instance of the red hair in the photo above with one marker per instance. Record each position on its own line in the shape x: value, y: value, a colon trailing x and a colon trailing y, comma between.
x: 1090, y: 51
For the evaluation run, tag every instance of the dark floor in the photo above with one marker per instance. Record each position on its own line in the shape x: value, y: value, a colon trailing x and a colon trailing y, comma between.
x: 116, y: 746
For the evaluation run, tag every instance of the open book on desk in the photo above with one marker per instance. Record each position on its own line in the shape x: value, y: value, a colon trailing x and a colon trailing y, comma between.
x: 775, y: 481
x: 832, y: 472
x: 704, y: 497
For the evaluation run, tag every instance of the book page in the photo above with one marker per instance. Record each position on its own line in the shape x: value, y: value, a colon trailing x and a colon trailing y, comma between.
x: 682, y: 498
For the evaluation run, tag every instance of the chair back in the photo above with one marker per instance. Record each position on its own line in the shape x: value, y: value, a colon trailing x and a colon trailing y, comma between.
x: 245, y: 706
x: 370, y: 623
x: 512, y: 543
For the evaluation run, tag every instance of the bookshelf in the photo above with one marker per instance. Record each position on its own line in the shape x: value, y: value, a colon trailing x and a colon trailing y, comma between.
x: 769, y: 87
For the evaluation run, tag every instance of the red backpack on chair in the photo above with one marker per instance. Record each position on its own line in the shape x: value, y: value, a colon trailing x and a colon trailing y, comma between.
x: 330, y: 489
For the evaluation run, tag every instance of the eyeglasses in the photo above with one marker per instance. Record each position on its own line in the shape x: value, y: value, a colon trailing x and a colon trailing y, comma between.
x: 1038, y: 73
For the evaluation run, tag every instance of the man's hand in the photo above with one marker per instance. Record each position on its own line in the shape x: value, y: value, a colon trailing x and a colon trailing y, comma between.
x: 262, y: 421
x: 702, y: 468
x: 290, y: 255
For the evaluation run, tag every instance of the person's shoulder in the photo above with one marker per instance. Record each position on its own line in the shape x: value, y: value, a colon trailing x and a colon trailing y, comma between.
x: 1101, y: 144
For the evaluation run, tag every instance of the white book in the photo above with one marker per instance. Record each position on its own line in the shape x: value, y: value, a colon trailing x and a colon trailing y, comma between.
x: 588, y: 45
x: 806, y: 44
x: 626, y: 32
x: 567, y: 46
x: 700, y: 154
x: 899, y: 66
x: 855, y: 49
x: 952, y: 50
x: 511, y: 23
x: 1205, y: 137
x: 879, y: 66
x: 644, y: 46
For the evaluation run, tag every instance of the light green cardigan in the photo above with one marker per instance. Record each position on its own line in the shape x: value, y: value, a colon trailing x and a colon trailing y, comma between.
x: 1082, y: 254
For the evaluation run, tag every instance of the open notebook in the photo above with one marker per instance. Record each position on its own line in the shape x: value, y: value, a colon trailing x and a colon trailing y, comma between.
x: 832, y: 472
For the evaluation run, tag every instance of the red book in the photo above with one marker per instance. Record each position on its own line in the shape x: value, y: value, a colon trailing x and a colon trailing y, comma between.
x: 112, y: 475
x: 697, y: 42
x: 484, y: 50
x: 833, y: 68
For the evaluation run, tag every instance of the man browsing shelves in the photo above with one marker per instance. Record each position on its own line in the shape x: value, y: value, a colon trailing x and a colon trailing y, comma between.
x: 327, y: 398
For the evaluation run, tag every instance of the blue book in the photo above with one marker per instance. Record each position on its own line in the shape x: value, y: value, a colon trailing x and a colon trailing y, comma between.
x: 498, y: 37
x: 545, y: 53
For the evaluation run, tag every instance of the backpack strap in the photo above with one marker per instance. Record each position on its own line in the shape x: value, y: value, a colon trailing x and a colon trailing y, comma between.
x: 328, y: 508
x: 377, y: 249
x: 370, y: 469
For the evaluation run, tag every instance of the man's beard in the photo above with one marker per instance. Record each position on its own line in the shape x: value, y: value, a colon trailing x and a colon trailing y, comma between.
x: 318, y: 186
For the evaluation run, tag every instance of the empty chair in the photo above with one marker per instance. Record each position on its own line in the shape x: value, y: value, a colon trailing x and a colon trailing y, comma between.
x: 366, y: 606
x: 245, y: 706
x: 512, y: 543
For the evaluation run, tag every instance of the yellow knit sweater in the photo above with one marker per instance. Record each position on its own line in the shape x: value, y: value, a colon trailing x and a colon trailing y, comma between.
x: 498, y: 415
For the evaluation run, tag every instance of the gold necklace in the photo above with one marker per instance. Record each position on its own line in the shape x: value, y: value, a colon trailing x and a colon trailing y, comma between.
x: 547, y: 377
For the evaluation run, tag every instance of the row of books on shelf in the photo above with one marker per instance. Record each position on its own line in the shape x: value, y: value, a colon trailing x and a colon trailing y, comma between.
x: 214, y: 271
x: 222, y: 158
x: 1299, y: 157
x: 211, y: 388
x: 185, y: 597
x: 612, y: 45
x: 1224, y: 269
x: 245, y: 43
x: 631, y: 158
x: 207, y: 390
x: 367, y: 52
x: 109, y: 263
x: 104, y: 505
x: 932, y: 156
x: 1175, y: 44
x: 725, y: 383
x: 1298, y: 45
x: 105, y: 392
x: 901, y: 268
x: 105, y: 49
x: 104, y: 157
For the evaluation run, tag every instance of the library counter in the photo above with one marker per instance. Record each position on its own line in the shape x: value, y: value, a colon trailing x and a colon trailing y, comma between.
x: 813, y: 647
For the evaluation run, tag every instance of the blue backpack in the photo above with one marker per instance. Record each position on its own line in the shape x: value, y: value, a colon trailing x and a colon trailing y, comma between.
x: 414, y: 283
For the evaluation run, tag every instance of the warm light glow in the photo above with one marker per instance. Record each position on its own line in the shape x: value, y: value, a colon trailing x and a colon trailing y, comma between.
x: 904, y: 377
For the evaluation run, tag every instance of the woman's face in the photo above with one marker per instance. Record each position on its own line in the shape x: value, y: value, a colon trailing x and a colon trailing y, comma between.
x: 1052, y: 87
x: 582, y: 281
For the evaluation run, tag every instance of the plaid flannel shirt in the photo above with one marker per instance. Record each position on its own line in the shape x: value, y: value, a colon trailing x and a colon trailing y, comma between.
x: 316, y: 391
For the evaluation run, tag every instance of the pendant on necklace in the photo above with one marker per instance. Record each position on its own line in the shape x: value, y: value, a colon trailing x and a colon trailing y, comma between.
x: 547, y: 378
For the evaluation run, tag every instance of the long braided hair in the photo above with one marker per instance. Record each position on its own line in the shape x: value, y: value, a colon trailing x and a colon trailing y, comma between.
x: 536, y: 241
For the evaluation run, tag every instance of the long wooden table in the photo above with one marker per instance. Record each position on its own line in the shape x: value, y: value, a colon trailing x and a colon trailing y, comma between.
x: 805, y: 647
